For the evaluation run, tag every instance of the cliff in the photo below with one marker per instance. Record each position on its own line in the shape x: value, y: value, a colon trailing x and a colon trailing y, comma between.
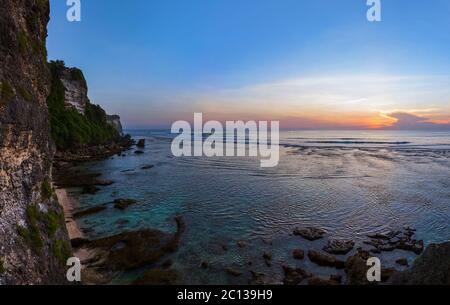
x: 33, y: 238
x: 114, y: 120
x: 75, y: 122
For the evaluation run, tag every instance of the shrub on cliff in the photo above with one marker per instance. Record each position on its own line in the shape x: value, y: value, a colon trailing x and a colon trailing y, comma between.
x: 70, y: 128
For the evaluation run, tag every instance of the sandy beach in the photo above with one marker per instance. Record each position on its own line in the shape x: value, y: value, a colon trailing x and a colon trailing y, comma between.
x: 69, y: 204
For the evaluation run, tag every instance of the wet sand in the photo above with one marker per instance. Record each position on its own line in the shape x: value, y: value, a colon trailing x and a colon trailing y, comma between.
x: 69, y: 205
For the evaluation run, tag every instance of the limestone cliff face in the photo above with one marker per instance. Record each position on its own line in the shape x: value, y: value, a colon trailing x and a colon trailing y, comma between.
x: 114, y: 120
x: 76, y: 91
x: 76, y: 95
x: 75, y: 121
x: 33, y: 237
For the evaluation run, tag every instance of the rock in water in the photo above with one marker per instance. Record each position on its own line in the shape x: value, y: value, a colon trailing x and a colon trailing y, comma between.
x: 234, y: 271
x: 317, y: 281
x: 89, y: 211
x: 432, y: 268
x: 298, y: 254
x: 325, y: 259
x: 356, y: 269
x: 294, y: 276
x: 402, y: 262
x: 141, y: 143
x: 122, y: 204
x: 145, y: 167
x: 337, y: 246
x: 310, y: 233
x: 157, y: 277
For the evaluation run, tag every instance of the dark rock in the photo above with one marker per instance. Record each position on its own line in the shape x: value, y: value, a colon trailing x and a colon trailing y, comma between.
x: 147, y: 167
x: 89, y: 211
x: 204, y: 265
x: 298, y: 254
x: 234, y: 271
x: 137, y: 249
x: 413, y: 246
x: 122, y: 204
x: 267, y: 259
x: 317, y: 281
x: 310, y: 233
x: 432, y: 268
x: 356, y: 269
x: 139, y: 152
x: 157, y: 277
x: 167, y: 264
x: 294, y: 276
x: 259, y: 279
x: 387, y: 273
x: 267, y: 241
x: 385, y: 236
x: 325, y: 259
x: 337, y: 246
x: 141, y: 143
x: 337, y: 278
x: 241, y: 244
x: 104, y: 182
x: 78, y: 242
x: 402, y: 262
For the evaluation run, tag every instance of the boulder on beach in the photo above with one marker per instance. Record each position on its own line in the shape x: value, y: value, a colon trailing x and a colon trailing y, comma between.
x: 339, y: 246
x: 310, y: 233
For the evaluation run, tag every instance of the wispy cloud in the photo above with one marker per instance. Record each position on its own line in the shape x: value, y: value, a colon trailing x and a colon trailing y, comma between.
x: 336, y: 100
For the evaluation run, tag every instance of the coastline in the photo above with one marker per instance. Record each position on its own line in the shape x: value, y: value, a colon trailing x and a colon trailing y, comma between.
x: 69, y: 205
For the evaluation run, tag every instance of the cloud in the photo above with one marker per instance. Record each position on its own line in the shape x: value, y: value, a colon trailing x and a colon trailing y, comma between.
x: 408, y: 121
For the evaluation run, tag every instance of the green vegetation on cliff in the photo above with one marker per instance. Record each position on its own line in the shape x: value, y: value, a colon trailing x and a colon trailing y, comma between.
x: 70, y: 128
x: 6, y: 93
x: 41, y: 223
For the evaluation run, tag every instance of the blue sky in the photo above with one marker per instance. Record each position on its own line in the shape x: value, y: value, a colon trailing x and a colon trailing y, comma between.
x: 315, y: 63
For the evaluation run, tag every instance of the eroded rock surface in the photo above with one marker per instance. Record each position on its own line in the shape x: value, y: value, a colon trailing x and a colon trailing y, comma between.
x: 33, y: 241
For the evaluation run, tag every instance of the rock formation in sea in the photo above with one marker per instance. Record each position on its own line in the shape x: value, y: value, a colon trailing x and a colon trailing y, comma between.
x: 33, y: 237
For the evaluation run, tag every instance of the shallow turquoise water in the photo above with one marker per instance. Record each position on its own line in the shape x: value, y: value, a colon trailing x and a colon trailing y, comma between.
x: 350, y: 183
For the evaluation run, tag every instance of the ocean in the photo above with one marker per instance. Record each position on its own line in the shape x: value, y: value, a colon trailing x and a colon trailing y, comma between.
x: 350, y: 183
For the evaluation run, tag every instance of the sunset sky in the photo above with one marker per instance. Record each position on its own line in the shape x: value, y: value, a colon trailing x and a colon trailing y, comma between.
x: 315, y: 64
